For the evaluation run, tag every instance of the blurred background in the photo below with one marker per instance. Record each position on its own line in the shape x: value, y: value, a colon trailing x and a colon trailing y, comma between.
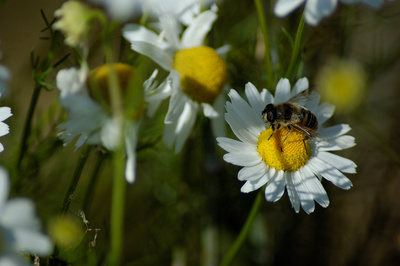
x: 187, y: 209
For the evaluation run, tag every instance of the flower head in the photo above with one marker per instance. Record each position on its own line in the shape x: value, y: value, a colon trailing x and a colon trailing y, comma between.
x: 285, y: 157
x: 342, y: 83
x: 75, y: 22
x: 88, y: 119
x: 197, y: 73
x: 19, y: 227
x: 315, y: 10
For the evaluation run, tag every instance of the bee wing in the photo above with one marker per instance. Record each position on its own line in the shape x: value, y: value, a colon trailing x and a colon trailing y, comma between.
x: 304, y: 97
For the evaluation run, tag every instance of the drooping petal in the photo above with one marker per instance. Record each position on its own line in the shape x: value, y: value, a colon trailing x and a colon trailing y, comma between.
x: 130, y: 147
x: 303, y: 192
x: 276, y: 186
x: 162, y: 57
x: 342, y: 164
x: 329, y: 172
x: 137, y: 33
x: 292, y: 193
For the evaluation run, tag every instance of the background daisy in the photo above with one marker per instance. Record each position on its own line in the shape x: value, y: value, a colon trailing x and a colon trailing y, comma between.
x: 197, y: 73
x: 300, y: 166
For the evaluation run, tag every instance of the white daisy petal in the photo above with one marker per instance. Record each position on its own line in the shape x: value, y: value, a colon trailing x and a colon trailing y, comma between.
x: 172, y: 30
x: 251, y: 173
x: 330, y: 173
x: 5, y: 112
x: 324, y: 112
x: 238, y: 159
x: 163, y: 58
x: 303, y: 192
x: 276, y: 186
x: 292, y: 193
x: 137, y: 33
x: 315, y: 187
x: 255, y: 99
x: 300, y: 86
x: 336, y: 144
x: 176, y: 104
x: 231, y: 145
x: 130, y: 147
x: 4, y: 187
x: 194, y: 35
x: 282, y: 93
x: 342, y: 164
x: 250, y: 186
x: 335, y: 131
x: 237, y: 128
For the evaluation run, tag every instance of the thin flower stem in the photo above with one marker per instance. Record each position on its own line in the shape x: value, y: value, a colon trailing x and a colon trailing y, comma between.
x: 117, y: 208
x: 28, y: 123
x: 227, y: 260
x: 75, y: 178
x: 267, y: 48
x: 296, y: 48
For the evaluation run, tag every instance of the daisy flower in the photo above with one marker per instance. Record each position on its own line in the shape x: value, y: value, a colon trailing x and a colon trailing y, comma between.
x: 89, y: 120
x: 19, y: 227
x: 315, y: 10
x: 281, y: 159
x: 198, y: 74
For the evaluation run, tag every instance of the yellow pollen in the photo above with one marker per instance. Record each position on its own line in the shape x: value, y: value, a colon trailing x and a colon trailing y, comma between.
x: 203, y: 73
x: 293, y: 154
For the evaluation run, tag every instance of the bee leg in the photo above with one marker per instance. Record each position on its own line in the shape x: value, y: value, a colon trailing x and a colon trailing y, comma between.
x: 305, y: 147
x: 290, y: 131
x: 273, y: 130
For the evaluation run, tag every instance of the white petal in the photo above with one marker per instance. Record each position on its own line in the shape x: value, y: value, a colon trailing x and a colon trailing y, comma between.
x: 315, y: 10
x: 335, y: 131
x: 194, y: 35
x: 209, y: 111
x: 20, y: 213
x: 245, y: 158
x: 137, y: 33
x: 240, y: 130
x: 176, y: 105
x: 5, y: 112
x: 276, y: 186
x: 284, y: 7
x: 254, y: 98
x: 4, y: 188
x: 130, y: 147
x: 336, y: 144
x: 292, y: 193
x: 329, y: 172
x: 300, y: 86
x: 282, y: 93
x: 342, y: 164
x: 303, y: 191
x: 315, y: 187
x: 243, y: 113
x: 11, y: 259
x: 324, y: 112
x: 163, y: 58
x: 251, y: 173
x: 172, y: 30
x: 32, y: 241
x: 250, y: 186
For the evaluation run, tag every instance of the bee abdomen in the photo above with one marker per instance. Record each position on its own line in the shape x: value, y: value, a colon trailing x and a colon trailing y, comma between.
x: 310, y: 120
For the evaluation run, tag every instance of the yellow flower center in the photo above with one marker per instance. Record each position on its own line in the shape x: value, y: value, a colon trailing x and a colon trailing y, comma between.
x: 287, y: 155
x: 130, y: 86
x: 203, y: 73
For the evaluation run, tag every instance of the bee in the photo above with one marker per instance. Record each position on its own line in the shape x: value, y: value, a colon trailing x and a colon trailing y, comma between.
x: 291, y: 114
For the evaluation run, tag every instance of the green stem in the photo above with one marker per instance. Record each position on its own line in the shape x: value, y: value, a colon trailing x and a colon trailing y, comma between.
x: 28, y: 123
x: 227, y: 260
x: 296, y: 48
x: 267, y: 53
x: 75, y: 178
x: 117, y: 208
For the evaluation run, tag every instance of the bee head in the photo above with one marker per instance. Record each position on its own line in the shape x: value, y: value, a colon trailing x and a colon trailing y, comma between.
x: 269, y: 113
